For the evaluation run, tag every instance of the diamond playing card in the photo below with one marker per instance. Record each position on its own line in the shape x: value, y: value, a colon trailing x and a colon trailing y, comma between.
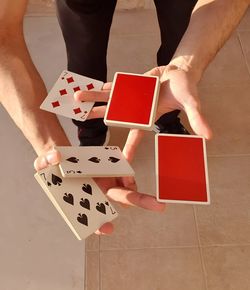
x: 60, y: 99
x: 181, y: 169
x: 94, y: 161
x: 80, y: 202
x: 133, y: 101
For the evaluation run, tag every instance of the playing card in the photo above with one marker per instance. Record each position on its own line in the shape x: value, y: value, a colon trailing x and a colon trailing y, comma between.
x: 80, y: 202
x: 93, y: 161
x: 60, y: 99
x: 181, y: 169
x: 133, y: 101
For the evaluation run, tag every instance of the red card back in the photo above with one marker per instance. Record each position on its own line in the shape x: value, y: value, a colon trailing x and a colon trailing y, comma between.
x: 132, y: 99
x: 181, y: 168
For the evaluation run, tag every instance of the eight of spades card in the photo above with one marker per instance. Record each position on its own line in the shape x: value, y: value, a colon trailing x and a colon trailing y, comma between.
x: 94, y: 161
x: 60, y: 99
x: 81, y: 202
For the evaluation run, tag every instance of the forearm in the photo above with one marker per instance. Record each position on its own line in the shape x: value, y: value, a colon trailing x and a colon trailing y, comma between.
x: 211, y: 24
x: 21, y: 93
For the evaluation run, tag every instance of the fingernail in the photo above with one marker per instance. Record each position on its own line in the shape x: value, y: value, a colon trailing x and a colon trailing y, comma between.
x: 51, y: 158
x: 77, y: 94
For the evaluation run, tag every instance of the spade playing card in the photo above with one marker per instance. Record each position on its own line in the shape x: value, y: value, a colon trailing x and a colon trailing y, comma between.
x: 80, y: 202
x: 133, y: 101
x: 60, y: 99
x: 94, y: 161
x: 181, y: 169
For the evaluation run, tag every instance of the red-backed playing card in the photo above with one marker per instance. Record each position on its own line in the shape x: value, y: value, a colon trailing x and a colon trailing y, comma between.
x: 181, y: 169
x: 133, y: 101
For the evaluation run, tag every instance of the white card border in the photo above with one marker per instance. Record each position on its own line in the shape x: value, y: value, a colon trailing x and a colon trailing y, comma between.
x: 150, y: 124
x: 90, y: 175
x: 205, y: 165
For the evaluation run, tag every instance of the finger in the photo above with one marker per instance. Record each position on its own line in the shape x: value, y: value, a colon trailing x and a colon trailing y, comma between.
x: 97, y: 112
x: 105, y: 229
x: 198, y: 123
x: 156, y: 71
x: 92, y: 96
x: 129, y: 182
x: 134, y: 138
x: 133, y: 198
x: 51, y: 158
x: 107, y: 86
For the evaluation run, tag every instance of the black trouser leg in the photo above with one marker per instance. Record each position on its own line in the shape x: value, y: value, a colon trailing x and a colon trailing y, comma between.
x: 85, y: 26
x: 173, y: 17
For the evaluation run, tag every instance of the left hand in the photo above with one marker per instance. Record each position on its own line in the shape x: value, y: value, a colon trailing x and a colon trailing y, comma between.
x: 178, y: 90
x: 122, y: 190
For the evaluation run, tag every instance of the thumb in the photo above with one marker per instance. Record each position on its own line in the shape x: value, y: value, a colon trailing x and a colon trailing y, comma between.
x: 50, y: 158
x: 134, y: 138
x: 198, y: 123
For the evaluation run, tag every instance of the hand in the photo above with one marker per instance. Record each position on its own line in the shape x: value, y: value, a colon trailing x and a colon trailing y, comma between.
x: 122, y: 190
x: 178, y: 91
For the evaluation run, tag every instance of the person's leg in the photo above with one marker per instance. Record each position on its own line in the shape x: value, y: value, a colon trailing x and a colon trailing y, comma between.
x: 173, y: 17
x: 85, y: 26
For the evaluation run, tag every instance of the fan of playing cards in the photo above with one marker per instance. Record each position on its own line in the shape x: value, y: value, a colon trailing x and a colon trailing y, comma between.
x: 181, y: 163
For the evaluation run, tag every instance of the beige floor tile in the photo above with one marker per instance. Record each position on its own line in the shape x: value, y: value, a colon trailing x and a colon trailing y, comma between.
x: 245, y: 43
x: 228, y: 268
x: 154, y: 269
x: 45, y: 42
x: 134, y: 22
x: 245, y: 22
x: 227, y: 219
x: 227, y: 111
x: 92, y: 271
x: 146, y: 148
x: 92, y: 243
x: 228, y: 67
x: 145, y: 174
x: 133, y: 53
x: 35, y: 242
x: 138, y: 228
x: 118, y: 136
x: 41, y: 7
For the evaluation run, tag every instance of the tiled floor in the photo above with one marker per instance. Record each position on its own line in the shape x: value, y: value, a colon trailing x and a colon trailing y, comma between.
x: 187, y: 247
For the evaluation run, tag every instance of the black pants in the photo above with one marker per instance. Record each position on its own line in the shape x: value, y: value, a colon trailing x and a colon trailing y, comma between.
x: 86, y: 24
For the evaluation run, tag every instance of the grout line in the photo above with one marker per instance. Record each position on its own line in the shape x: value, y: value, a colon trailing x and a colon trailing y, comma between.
x: 227, y: 155
x: 243, y: 52
x: 232, y: 85
x: 33, y: 15
x: 153, y: 248
x: 243, y: 30
x: 85, y: 282
x: 227, y: 245
x: 99, y: 266
x: 200, y: 249
x: 125, y: 35
x: 92, y: 251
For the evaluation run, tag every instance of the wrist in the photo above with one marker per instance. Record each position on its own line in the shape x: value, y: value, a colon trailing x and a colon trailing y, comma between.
x: 187, y: 65
x: 43, y: 131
